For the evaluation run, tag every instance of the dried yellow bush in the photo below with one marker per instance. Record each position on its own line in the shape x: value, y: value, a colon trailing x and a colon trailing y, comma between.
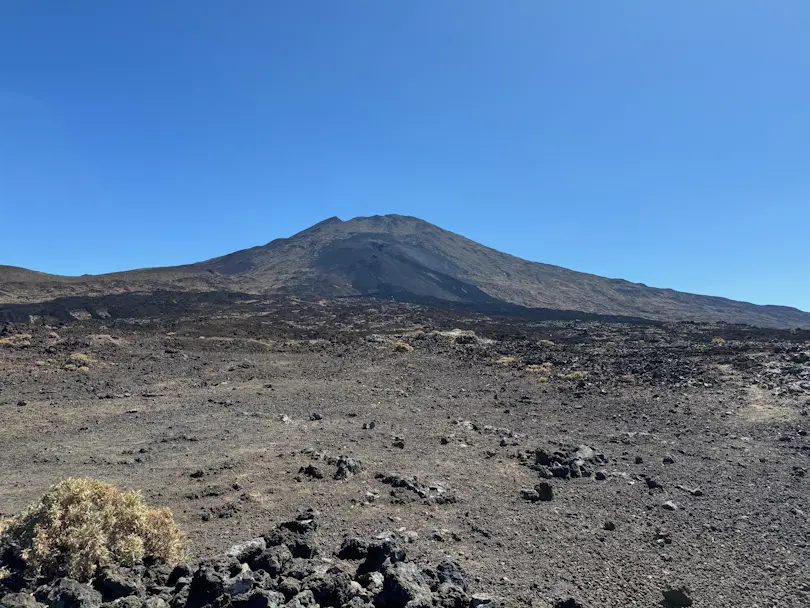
x: 718, y: 341
x: 402, y: 347
x: 82, y: 524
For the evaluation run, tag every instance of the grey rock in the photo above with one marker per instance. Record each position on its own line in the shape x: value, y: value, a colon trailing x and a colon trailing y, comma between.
x: 289, y: 586
x: 346, y: 467
x: 183, y: 571
x: 115, y: 582
x: 272, y: 560
x: 449, y: 571
x: 240, y: 583
x: 669, y: 506
x: 600, y: 475
x: 404, y: 585
x: 482, y: 600
x: 353, y: 548
x: 154, y: 602
x: 544, y: 491
x: 259, y: 598
x: 247, y: 551
x: 19, y: 600
x: 561, y: 471
x: 304, y: 599
x: 311, y: 471
x: 68, y: 593
x: 206, y: 586
x: 131, y: 601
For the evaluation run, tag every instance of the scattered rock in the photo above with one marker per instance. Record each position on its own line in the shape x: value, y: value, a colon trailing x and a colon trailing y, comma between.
x: 669, y: 506
x: 609, y: 526
x: 346, y: 467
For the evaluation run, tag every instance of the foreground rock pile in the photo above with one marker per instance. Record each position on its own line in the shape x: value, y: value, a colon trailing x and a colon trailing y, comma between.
x: 283, y: 568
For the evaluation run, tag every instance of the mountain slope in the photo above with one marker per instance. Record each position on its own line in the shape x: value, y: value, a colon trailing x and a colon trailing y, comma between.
x: 408, y: 259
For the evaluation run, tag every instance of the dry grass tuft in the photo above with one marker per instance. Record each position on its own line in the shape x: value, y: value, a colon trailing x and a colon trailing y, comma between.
x: 545, y: 343
x: 578, y: 375
x: 79, y: 359
x: 82, y: 524
x: 718, y: 341
x: 16, y: 340
x: 505, y: 360
x: 542, y: 368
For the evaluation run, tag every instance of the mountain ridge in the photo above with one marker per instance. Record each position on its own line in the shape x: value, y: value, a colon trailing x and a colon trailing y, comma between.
x: 404, y: 258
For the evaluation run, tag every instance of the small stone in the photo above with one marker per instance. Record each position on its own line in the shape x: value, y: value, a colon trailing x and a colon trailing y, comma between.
x: 639, y: 460
x: 399, y: 442
x: 544, y: 491
x: 311, y: 471
x: 609, y: 526
x: 669, y: 460
x: 22, y: 403
x: 669, y: 506
x: 315, y: 416
x: 677, y: 596
x: 653, y: 484
x: 600, y: 475
x: 481, y: 600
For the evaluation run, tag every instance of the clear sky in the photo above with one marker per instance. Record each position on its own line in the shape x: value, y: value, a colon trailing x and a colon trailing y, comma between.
x: 662, y: 142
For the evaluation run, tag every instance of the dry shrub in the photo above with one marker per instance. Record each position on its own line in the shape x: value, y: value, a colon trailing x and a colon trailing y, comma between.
x: 402, y: 347
x: 718, y: 341
x: 82, y: 524
x: 578, y: 375
x: 545, y: 343
x: 79, y: 359
x: 542, y: 368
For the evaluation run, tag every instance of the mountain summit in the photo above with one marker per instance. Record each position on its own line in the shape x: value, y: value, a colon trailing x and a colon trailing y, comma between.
x: 408, y: 259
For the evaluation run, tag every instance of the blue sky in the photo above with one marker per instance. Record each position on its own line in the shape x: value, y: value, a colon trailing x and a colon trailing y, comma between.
x: 665, y: 143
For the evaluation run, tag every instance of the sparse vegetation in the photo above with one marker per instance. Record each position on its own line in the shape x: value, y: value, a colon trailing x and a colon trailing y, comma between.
x: 505, y: 360
x: 82, y: 524
x: 718, y: 341
x: 577, y: 375
x: 402, y: 347
x: 79, y: 359
x: 545, y: 343
x: 16, y: 340
x: 541, y: 368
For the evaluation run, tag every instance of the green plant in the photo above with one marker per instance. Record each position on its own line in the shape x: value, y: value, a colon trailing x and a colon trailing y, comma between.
x: 82, y: 524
